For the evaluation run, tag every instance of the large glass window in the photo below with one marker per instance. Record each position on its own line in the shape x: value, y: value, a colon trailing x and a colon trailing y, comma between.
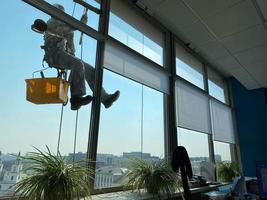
x: 217, y: 86
x: 197, y: 147
x: 189, y: 68
x: 132, y: 128
x: 24, y: 124
x: 129, y: 27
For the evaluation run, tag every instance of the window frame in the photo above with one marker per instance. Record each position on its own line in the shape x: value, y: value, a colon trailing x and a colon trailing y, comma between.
x: 169, y: 67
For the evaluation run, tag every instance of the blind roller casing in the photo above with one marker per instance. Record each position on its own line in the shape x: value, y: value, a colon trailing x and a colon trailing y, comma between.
x: 192, y: 108
x: 222, y: 122
x: 130, y: 65
x: 136, y: 20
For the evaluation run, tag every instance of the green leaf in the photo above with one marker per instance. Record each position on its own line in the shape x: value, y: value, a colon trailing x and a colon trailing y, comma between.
x: 54, y: 178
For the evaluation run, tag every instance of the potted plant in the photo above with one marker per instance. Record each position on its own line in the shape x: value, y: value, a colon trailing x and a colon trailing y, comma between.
x: 53, y: 178
x: 227, y: 171
x: 156, y: 177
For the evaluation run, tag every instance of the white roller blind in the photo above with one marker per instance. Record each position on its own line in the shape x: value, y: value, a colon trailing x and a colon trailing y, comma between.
x: 135, y: 67
x: 121, y: 9
x: 222, y: 122
x: 192, y: 108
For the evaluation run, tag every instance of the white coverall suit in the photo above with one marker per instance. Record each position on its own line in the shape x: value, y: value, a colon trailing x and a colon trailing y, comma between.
x: 60, y: 53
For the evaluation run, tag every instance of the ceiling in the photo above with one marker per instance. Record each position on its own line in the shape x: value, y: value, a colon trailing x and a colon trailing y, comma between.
x: 230, y: 34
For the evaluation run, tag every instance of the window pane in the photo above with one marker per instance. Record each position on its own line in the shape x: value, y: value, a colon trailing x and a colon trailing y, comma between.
x: 127, y: 133
x: 197, y: 147
x: 189, y: 67
x: 77, y: 10
x: 129, y: 27
x: 217, y: 86
x: 222, y: 151
x: 25, y: 124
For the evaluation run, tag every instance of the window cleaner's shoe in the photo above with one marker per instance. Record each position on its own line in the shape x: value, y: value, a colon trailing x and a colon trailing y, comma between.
x: 78, y: 101
x: 110, y: 99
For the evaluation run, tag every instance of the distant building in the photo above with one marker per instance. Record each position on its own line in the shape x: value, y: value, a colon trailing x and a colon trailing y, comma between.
x: 11, y: 177
x: 218, y: 158
x: 199, y: 159
x: 138, y: 155
x: 1, y: 166
x: 204, y: 168
x: 111, y: 169
x: 109, y: 176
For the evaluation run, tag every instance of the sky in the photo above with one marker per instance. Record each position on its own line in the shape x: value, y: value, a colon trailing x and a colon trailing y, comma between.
x: 24, y: 124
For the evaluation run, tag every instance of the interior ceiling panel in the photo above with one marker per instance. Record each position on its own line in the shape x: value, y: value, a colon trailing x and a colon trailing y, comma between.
x: 174, y: 13
x: 231, y: 34
x: 252, y: 55
x: 233, y: 19
x: 226, y: 64
x: 244, y: 40
x: 207, y: 8
x: 263, y: 6
x: 258, y: 68
x: 197, y: 33
x: 212, y: 50
x: 245, y: 78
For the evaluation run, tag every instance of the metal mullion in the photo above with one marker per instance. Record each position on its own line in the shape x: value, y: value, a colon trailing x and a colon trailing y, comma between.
x: 210, y: 136
x: 211, y: 142
x: 96, y: 103
x: 71, y: 21
x: 206, y: 77
x: 171, y: 133
x: 235, y: 152
x: 88, y: 6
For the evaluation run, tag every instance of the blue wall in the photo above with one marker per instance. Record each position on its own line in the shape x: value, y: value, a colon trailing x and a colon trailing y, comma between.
x: 251, y: 116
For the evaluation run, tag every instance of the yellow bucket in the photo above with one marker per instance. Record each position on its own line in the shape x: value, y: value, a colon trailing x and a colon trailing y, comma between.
x: 47, y: 90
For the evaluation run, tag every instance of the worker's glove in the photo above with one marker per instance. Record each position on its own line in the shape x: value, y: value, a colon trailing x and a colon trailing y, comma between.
x: 84, y: 18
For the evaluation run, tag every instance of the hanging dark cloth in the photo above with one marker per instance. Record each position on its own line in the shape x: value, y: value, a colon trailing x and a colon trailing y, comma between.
x: 180, y: 161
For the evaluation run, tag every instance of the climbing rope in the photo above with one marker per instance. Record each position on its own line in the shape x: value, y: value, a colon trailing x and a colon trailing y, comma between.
x: 60, y: 127
x: 142, y: 120
x: 77, y: 113
x: 62, y: 108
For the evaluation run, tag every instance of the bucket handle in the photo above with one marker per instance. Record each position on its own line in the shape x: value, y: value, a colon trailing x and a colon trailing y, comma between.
x: 41, y: 71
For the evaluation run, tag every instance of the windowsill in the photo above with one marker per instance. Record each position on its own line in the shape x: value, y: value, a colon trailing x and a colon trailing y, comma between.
x: 142, y: 195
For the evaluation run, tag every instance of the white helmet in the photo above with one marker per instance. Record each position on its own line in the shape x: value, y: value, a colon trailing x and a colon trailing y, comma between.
x: 60, y: 7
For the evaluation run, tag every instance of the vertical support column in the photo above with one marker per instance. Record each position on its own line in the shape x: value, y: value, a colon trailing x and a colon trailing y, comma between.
x: 169, y: 101
x: 210, y: 139
x: 234, y: 148
x: 96, y: 104
x: 210, y: 136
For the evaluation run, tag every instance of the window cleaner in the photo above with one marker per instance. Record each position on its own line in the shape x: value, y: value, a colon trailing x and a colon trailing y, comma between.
x: 60, y: 53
